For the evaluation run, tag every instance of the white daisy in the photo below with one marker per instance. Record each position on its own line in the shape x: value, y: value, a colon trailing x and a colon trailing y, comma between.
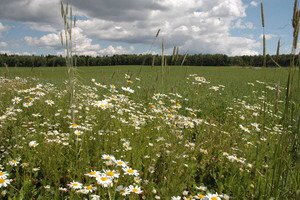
x: 75, y: 185
x: 104, y: 180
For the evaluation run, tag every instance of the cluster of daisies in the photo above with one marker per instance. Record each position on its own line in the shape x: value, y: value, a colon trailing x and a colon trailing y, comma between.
x: 108, y: 178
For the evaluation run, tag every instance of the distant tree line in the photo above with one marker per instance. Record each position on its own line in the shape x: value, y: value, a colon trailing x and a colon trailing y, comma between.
x: 133, y: 59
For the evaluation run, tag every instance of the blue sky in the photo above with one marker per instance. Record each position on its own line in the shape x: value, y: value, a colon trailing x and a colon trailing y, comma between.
x: 107, y: 27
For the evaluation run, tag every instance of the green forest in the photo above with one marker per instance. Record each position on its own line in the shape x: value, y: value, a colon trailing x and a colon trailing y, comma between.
x: 150, y: 60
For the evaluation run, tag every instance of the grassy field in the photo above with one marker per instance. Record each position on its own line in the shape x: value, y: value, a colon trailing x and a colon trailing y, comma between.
x: 193, y: 133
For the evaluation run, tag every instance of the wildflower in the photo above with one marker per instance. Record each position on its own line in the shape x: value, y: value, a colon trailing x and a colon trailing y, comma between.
x: 121, y: 163
x: 95, y: 197
x: 16, y: 100
x: 104, y: 104
x: 130, y: 171
x: 3, y: 174
x: 122, y: 190
x: 107, y: 157
x: 4, y: 182
x: 212, y: 197
x: 27, y: 104
x: 225, y: 196
x: 13, y: 163
x: 93, y: 174
x: 36, y: 169
x: 63, y: 189
x: 111, y: 174
x: 137, y: 179
x: 135, y: 189
x: 203, y: 188
x: 78, y: 132
x: 244, y: 128
x: 33, y: 144
x: 215, y: 88
x: 47, y: 187
x: 201, y: 79
x: 75, y: 185
x: 25, y: 165
x: 87, y: 189
x: 151, y: 169
x: 49, y: 102
x: 104, y: 180
x: 199, y: 196
x: 175, y: 198
x: 74, y: 126
x: 256, y: 126
x: 128, y: 89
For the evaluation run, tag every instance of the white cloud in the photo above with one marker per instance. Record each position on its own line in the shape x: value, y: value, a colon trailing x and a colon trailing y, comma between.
x: 41, y: 27
x: 30, y: 10
x: 51, y: 40
x: 3, y: 28
x: 17, y: 53
x: 6, y: 52
x: 111, y: 50
x: 268, y: 36
x: 230, y: 45
x: 239, y: 24
x: 82, y: 44
x: 195, y: 25
x: 254, y: 3
x: 3, y: 44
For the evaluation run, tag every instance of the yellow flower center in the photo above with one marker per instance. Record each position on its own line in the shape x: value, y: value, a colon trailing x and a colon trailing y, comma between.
x: 75, y: 184
x: 1, y: 173
x: 201, y: 196
x: 104, y: 179
x: 120, y: 163
x: 135, y: 190
x: 130, y: 171
x: 214, y: 198
x: 92, y: 173
x: 89, y: 187
x: 110, y: 173
x: 2, y: 180
x: 14, y: 161
x: 74, y: 125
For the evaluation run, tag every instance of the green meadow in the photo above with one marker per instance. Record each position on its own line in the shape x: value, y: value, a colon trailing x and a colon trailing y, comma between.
x: 147, y: 133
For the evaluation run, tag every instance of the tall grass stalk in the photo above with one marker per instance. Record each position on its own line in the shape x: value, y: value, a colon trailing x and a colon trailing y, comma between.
x: 153, y: 61
x: 177, y: 55
x: 6, y: 74
x: 182, y: 63
x: 278, y: 49
x: 162, y: 60
x: 67, y: 41
x: 149, y: 51
x: 173, y: 55
x: 264, y: 33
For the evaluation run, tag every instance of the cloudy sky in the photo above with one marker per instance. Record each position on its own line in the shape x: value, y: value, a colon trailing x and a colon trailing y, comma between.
x: 107, y: 27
